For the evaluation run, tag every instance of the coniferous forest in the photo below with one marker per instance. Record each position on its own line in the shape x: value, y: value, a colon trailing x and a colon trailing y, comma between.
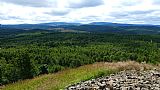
x: 26, y: 54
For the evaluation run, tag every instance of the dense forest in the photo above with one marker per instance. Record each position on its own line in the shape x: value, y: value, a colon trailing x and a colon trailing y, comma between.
x: 26, y: 54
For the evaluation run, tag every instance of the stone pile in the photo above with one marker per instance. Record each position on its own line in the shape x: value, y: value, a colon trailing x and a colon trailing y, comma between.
x: 124, y: 80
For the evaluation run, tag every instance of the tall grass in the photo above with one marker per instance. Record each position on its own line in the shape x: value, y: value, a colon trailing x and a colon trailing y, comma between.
x: 64, y: 78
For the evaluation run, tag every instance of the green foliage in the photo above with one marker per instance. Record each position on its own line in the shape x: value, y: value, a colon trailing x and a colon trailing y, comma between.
x: 26, y: 55
x: 24, y: 64
x: 54, y: 68
x: 0, y: 75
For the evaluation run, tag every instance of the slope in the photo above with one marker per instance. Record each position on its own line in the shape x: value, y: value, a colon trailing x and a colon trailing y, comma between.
x: 64, y: 78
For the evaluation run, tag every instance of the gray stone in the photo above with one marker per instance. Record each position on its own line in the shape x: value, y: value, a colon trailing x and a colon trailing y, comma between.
x: 124, y: 80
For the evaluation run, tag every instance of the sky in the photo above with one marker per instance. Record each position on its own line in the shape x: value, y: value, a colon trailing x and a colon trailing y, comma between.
x: 80, y: 11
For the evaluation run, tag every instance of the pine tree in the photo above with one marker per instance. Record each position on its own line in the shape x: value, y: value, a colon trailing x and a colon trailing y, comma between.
x: 25, y: 66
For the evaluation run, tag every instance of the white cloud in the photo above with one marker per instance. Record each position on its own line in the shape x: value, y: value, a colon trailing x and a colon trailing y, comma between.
x: 84, y: 3
x: 36, y: 3
x: 123, y: 11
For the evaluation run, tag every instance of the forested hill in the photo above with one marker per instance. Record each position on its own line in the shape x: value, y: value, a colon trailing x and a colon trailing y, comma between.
x: 91, y: 27
x: 117, y: 29
x: 28, y: 53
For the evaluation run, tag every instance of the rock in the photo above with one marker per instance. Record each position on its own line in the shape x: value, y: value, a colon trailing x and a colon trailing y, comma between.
x: 124, y: 80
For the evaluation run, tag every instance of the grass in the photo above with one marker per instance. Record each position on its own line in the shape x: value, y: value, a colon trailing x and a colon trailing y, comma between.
x: 64, y: 78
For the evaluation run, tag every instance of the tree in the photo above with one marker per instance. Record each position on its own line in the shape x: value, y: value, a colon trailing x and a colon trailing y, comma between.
x: 25, y: 65
x: 0, y: 75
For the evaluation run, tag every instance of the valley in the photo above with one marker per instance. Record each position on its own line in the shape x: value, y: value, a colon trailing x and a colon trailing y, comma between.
x: 37, y: 53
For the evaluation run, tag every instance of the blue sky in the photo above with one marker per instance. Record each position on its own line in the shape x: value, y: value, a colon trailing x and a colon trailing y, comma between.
x: 83, y: 11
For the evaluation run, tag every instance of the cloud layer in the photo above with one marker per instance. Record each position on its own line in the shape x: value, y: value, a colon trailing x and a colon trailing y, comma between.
x: 84, y: 11
x: 31, y: 3
x: 85, y: 3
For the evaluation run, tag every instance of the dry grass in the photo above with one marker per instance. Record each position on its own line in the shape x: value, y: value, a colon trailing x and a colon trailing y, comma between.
x: 61, y: 79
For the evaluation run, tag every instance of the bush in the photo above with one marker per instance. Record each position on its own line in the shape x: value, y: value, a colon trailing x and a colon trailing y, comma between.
x: 55, y: 68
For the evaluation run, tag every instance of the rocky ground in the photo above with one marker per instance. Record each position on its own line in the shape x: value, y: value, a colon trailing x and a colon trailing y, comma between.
x: 124, y: 80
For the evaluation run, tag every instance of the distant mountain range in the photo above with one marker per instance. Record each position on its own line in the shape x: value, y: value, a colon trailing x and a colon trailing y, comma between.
x: 60, y: 23
x: 118, y: 24
x: 106, y: 27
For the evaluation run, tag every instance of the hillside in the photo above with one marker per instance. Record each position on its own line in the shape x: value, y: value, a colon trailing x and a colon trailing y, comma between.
x: 64, y: 78
x: 103, y: 27
x: 79, y: 45
x: 27, y: 54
